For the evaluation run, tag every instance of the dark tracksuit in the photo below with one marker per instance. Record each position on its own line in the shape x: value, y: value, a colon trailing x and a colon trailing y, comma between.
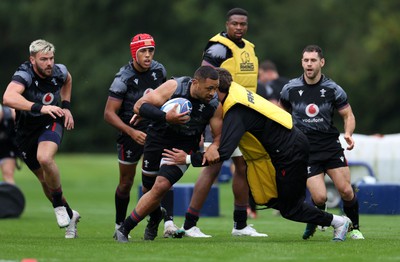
x: 288, y: 149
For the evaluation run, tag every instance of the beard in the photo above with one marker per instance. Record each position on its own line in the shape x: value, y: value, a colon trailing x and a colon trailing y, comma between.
x: 311, y: 74
x: 46, y: 72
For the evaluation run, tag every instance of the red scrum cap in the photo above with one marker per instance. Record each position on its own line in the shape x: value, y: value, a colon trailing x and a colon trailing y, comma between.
x: 140, y: 41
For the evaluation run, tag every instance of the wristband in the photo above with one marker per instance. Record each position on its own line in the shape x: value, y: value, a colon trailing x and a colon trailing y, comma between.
x: 36, y: 107
x: 66, y: 104
x: 188, y: 160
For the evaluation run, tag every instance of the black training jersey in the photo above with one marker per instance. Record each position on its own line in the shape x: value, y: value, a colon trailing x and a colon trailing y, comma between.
x: 313, y: 107
x: 275, y: 138
x: 216, y: 53
x: 130, y: 85
x: 45, y: 91
x: 200, y: 116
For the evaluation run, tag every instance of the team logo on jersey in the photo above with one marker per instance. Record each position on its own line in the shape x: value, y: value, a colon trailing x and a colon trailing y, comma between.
x: 53, y: 80
x: 246, y: 64
x: 47, y: 99
x: 154, y: 75
x: 136, y: 81
x: 312, y: 110
x: 301, y: 92
x: 202, y: 106
x: 323, y: 91
x: 148, y: 90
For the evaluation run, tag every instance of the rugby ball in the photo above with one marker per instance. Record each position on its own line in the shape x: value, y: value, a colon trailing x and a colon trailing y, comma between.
x: 184, y: 105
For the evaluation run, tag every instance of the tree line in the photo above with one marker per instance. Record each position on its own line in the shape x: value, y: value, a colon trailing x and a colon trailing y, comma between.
x: 360, y: 39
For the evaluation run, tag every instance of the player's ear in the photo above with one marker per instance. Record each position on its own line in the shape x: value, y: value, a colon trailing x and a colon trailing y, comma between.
x: 322, y: 62
x: 195, y: 82
x: 32, y: 59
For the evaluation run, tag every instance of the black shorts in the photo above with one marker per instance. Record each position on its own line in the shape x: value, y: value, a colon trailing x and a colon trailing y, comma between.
x: 329, y: 158
x: 7, y: 150
x: 129, y: 152
x: 153, y: 160
x: 28, y: 146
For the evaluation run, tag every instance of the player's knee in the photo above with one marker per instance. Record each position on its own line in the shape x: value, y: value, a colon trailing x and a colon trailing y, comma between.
x: 44, y: 160
x: 240, y: 167
x: 125, y: 187
x: 347, y: 193
x: 211, y: 171
x: 161, y: 187
x: 241, y: 171
x: 319, y: 200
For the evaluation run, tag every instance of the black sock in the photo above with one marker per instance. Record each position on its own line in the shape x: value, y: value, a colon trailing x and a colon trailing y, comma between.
x: 130, y: 222
x: 168, y: 203
x: 56, y: 195
x: 128, y: 225
x: 156, y: 214
x: 350, y: 208
x: 69, y: 210
x: 121, y: 207
x: 190, y: 221
x: 240, y: 218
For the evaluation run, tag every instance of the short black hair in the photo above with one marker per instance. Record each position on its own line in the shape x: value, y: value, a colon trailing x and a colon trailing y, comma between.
x: 225, y: 80
x: 204, y: 72
x: 236, y: 11
x: 314, y: 48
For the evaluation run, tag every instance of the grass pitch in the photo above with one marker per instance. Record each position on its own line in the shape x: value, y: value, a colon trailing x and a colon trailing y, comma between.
x: 89, y: 183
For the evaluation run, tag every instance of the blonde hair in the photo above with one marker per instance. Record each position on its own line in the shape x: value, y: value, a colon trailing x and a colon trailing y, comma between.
x: 42, y: 46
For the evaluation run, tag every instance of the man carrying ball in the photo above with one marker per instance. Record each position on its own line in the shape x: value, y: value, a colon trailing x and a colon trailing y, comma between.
x: 171, y: 130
